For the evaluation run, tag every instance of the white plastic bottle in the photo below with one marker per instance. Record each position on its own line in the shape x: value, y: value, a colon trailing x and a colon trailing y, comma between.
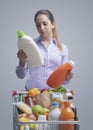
x: 54, y: 116
x: 28, y: 45
x: 42, y: 126
x: 26, y: 127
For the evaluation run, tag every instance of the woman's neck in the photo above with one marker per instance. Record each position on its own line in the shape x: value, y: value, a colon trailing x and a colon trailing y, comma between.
x: 46, y: 41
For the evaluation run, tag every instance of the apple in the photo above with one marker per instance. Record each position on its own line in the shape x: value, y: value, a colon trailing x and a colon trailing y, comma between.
x: 45, y: 110
x: 43, y: 90
x: 46, y: 114
x: 31, y: 117
x: 39, y: 110
x: 72, y: 91
x: 22, y: 115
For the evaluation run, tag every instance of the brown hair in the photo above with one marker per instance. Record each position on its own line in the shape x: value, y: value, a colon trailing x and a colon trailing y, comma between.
x: 51, y: 18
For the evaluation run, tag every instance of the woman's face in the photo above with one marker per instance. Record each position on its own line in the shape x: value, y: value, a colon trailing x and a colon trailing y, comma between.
x: 44, y: 26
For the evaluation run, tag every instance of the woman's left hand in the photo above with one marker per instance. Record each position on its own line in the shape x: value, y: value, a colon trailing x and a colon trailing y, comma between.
x: 69, y: 76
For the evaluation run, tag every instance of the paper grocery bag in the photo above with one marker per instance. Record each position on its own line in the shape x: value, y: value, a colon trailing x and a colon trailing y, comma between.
x: 43, y: 99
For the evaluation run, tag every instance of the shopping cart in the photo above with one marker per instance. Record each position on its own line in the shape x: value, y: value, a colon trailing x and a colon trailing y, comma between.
x: 17, y: 123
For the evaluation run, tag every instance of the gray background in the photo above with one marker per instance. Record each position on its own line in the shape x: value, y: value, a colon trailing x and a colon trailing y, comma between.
x: 74, y: 20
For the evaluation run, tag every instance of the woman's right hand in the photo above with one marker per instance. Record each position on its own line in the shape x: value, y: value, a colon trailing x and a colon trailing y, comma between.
x: 22, y: 57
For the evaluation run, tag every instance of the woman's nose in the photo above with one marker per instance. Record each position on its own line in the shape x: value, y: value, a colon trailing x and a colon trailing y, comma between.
x: 42, y: 26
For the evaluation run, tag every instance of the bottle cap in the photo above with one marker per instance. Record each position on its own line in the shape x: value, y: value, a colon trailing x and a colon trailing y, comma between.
x: 72, y: 63
x: 54, y: 104
x: 20, y: 34
x: 68, y: 96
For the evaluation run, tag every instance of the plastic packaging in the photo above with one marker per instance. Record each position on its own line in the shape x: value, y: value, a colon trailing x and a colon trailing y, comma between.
x: 23, y: 107
x: 69, y: 96
x: 67, y: 114
x: 28, y: 45
x: 57, y: 78
x: 42, y: 126
x: 54, y: 114
x: 21, y: 97
x: 76, y: 126
x: 26, y: 127
x: 29, y: 101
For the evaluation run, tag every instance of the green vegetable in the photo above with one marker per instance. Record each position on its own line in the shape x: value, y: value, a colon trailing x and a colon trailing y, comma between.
x: 60, y: 89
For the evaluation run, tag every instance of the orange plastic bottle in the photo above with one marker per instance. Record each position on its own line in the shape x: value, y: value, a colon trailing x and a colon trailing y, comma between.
x: 58, y: 77
x: 67, y: 114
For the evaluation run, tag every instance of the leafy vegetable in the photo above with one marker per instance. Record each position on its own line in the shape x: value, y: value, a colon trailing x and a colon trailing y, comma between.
x: 60, y: 89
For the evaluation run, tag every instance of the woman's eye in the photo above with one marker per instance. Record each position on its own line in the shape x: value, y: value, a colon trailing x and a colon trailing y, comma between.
x: 45, y: 24
x: 38, y: 25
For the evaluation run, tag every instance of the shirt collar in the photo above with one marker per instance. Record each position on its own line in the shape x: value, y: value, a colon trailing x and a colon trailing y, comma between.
x: 39, y: 40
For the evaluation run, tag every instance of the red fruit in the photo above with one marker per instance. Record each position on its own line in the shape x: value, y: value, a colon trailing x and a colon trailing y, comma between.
x: 46, y: 114
x: 43, y: 90
x: 22, y: 115
x: 31, y: 117
x: 14, y: 93
x: 72, y: 92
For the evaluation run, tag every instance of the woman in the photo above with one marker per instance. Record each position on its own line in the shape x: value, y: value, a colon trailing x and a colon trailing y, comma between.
x: 54, y: 53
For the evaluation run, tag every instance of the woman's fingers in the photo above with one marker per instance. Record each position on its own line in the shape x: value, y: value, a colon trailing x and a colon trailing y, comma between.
x: 69, y: 76
x: 21, y: 54
x: 22, y: 57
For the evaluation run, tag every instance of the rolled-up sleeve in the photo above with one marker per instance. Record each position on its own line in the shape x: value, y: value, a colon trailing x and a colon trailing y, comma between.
x: 21, y: 71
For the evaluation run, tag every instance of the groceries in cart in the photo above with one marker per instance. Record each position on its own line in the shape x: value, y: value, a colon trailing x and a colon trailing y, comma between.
x: 47, y: 106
